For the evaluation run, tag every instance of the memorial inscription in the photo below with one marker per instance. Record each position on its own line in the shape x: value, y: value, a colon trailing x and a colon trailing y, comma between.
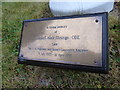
x: 75, y: 41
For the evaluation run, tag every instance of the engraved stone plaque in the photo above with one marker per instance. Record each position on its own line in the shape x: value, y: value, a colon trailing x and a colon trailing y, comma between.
x: 78, y: 42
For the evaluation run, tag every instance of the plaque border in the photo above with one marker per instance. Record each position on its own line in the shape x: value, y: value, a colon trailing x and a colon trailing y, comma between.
x: 94, y: 69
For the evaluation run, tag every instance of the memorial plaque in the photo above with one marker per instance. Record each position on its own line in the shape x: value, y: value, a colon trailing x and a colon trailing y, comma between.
x: 75, y: 42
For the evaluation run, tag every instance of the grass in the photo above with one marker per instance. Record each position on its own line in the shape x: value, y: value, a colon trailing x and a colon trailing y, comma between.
x: 15, y: 75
